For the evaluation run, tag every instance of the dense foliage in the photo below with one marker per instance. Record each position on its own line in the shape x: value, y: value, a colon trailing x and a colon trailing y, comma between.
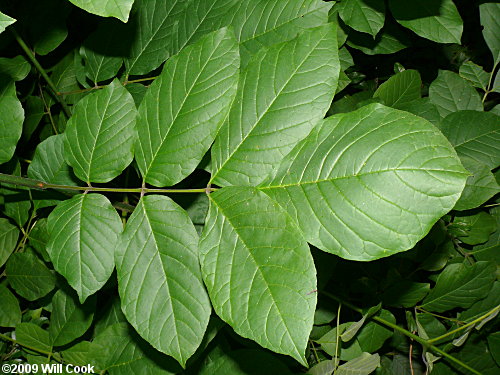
x: 250, y: 186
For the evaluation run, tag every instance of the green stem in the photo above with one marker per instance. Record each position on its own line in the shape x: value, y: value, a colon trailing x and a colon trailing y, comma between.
x: 405, y: 332
x: 42, y: 71
x: 482, y: 317
x: 41, y: 351
x: 40, y: 185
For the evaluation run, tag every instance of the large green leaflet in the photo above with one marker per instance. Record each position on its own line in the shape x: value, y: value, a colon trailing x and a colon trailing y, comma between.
x: 366, y: 16
x: 83, y: 232
x: 106, y: 8
x: 475, y: 135
x: 100, y: 134
x: 437, y: 20
x: 10, y: 312
x: 159, y: 278
x: 11, y: 121
x: 258, y: 270
x: 369, y: 183
x: 256, y: 23
x: 283, y: 92
x: 183, y: 109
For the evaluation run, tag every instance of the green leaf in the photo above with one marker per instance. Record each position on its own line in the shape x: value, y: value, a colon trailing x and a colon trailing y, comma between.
x: 494, y: 345
x: 474, y: 74
x: 480, y: 186
x: 16, y: 199
x: 69, y: 319
x: 369, y: 183
x: 8, y: 239
x: 491, y: 249
x: 483, y: 306
x: 451, y: 93
x: 401, y: 88
x: 45, y: 23
x: 246, y: 362
x: 11, y: 120
x: 474, y: 229
x: 153, y: 23
x: 133, y: 357
x: 102, y: 60
x: 490, y: 22
x: 345, y: 58
x: 421, y: 107
x: 35, y: 110
x: 28, y: 276
x: 256, y: 23
x: 100, y: 134
x: 251, y: 248
x: 159, y: 278
x: 362, y: 365
x: 366, y: 16
x: 435, y: 20
x: 322, y: 368
x: 5, y: 21
x: 196, y: 88
x: 33, y: 336
x: 475, y: 135
x: 373, y: 335
x: 78, y: 354
x: 10, y: 312
x: 460, y: 285
x: 112, y: 314
x: 17, y: 68
x: 405, y: 293
x: 267, y: 120
x: 83, y: 232
x: 106, y: 8
x: 389, y: 40
x: 49, y: 165
x: 65, y: 78
x: 38, y: 238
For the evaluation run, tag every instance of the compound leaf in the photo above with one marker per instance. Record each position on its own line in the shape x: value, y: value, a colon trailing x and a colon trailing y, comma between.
x: 182, y: 110
x: 159, y: 278
x: 369, y: 183
x: 435, y: 20
x: 267, y: 120
x: 106, y: 8
x: 100, y: 134
x: 83, y: 232
x: 258, y: 270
